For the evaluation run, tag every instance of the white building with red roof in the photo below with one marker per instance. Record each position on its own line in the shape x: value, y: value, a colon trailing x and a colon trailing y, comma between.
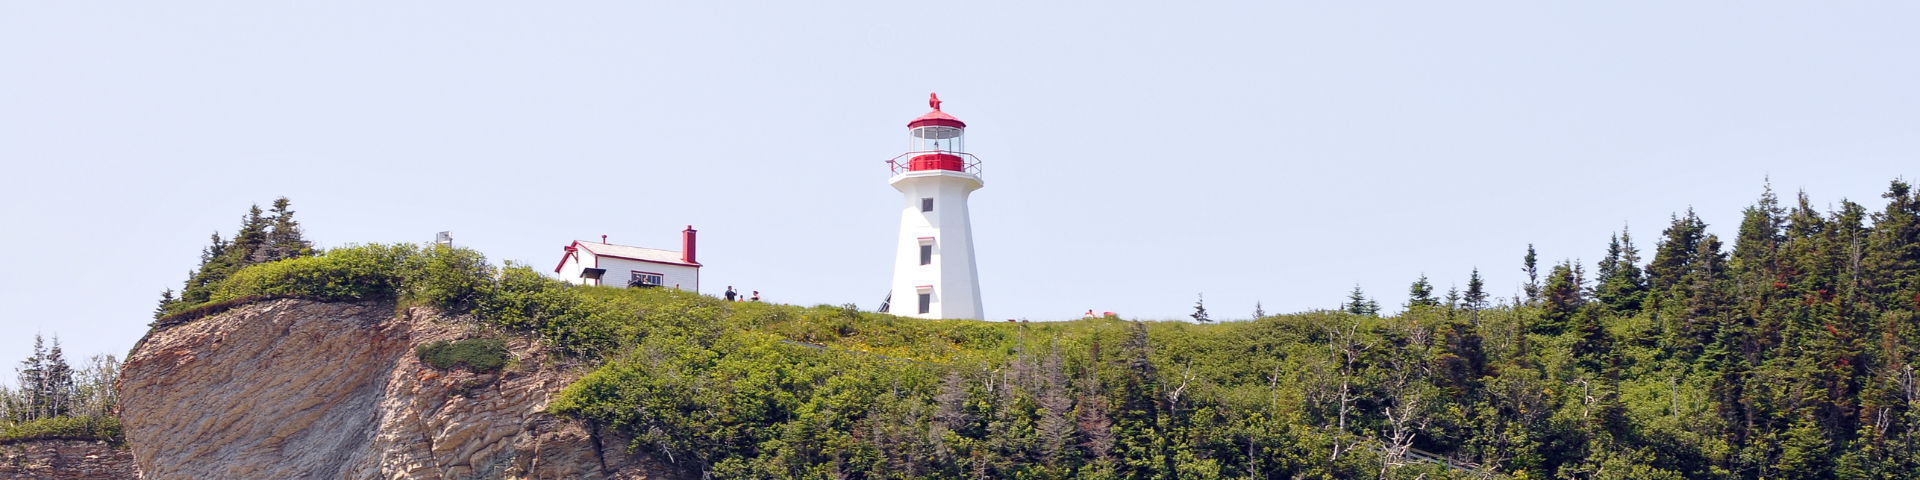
x: 602, y: 263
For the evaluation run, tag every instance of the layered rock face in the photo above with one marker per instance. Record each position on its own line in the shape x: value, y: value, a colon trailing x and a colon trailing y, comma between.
x: 65, y: 460
x: 303, y: 389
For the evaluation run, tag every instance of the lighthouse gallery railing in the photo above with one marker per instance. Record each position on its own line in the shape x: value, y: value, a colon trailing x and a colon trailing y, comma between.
x: 903, y: 163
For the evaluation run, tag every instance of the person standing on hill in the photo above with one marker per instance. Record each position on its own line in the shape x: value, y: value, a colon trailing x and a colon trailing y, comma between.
x: 756, y: 296
x: 730, y: 293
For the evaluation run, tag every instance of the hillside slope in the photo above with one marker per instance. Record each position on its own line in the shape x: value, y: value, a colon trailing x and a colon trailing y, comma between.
x: 1788, y: 355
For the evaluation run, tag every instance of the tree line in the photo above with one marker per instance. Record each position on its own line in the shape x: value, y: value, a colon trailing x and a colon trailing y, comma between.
x: 1782, y: 351
x: 263, y: 236
x: 50, y: 389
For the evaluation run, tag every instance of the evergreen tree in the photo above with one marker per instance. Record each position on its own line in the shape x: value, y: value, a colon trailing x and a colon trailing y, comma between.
x: 1761, y: 232
x: 1621, y: 285
x: 1530, y: 265
x: 261, y: 238
x: 167, y: 301
x: 56, y: 383
x: 1421, y: 294
x: 1560, y: 300
x: 1610, y: 263
x: 1453, y: 299
x: 1592, y: 345
x: 1200, y: 310
x: 1675, y: 254
x: 283, y: 238
x: 1892, y: 254
x: 1476, y: 296
x: 32, y: 375
x: 215, y: 264
x: 1258, y: 313
x: 252, y: 236
x: 1359, y: 304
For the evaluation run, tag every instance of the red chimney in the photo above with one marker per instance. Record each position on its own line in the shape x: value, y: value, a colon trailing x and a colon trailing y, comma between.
x: 686, y: 245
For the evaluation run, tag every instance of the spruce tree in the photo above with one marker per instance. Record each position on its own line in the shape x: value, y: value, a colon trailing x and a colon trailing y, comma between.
x: 1560, y: 300
x: 1530, y: 265
x: 1621, y: 286
x: 1421, y: 294
x: 32, y: 375
x: 56, y: 384
x: 283, y: 239
x: 1674, y: 254
x: 1891, y: 256
x: 250, y: 242
x: 1610, y: 263
x: 1258, y: 313
x: 1200, y: 310
x: 261, y: 238
x: 1476, y: 296
x: 167, y: 302
x: 1757, y: 246
x: 215, y: 263
x: 1359, y: 304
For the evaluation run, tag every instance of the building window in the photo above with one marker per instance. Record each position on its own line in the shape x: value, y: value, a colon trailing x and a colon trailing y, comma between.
x: 926, y: 205
x: 926, y: 254
x: 926, y: 303
x: 644, y: 279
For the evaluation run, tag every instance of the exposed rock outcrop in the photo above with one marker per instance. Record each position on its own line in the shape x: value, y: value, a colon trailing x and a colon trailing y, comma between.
x: 303, y: 389
x: 65, y: 460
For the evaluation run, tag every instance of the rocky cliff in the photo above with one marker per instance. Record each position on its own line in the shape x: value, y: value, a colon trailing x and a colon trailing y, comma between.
x: 65, y: 460
x: 304, y: 389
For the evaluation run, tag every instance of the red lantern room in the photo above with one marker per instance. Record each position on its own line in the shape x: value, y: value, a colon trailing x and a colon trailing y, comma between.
x: 936, y: 141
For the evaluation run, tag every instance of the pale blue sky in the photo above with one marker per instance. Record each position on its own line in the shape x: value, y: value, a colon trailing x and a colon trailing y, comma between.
x: 1136, y: 154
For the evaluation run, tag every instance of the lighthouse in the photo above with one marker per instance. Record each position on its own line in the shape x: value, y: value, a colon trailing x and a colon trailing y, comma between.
x: 934, y: 274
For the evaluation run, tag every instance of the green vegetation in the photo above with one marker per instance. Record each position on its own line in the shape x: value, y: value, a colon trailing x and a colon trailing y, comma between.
x: 479, y: 355
x: 263, y: 237
x: 56, y: 401
x: 1788, y: 355
x: 64, y: 428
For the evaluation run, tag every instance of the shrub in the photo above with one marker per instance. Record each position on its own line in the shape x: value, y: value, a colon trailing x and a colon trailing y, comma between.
x: 479, y: 355
x: 348, y: 273
x: 453, y: 279
x: 449, y: 278
x: 65, y: 428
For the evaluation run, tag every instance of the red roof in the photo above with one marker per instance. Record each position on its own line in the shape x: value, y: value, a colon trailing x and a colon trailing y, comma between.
x: 936, y: 118
x: 649, y: 255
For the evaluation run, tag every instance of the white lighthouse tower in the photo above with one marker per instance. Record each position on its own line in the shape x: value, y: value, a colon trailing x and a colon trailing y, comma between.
x: 933, y: 273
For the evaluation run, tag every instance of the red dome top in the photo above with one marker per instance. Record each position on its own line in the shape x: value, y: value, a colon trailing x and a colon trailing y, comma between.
x: 936, y: 118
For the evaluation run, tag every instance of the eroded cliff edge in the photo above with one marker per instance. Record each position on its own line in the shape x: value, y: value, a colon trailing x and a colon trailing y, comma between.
x: 294, y: 388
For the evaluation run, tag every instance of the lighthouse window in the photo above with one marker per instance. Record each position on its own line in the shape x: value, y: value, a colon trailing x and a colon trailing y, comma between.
x: 926, y: 204
x: 926, y: 254
x: 926, y: 303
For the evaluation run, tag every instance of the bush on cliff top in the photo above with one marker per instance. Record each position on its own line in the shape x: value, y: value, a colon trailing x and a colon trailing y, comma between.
x: 451, y: 278
x: 480, y: 355
x: 442, y: 276
x: 105, y: 428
